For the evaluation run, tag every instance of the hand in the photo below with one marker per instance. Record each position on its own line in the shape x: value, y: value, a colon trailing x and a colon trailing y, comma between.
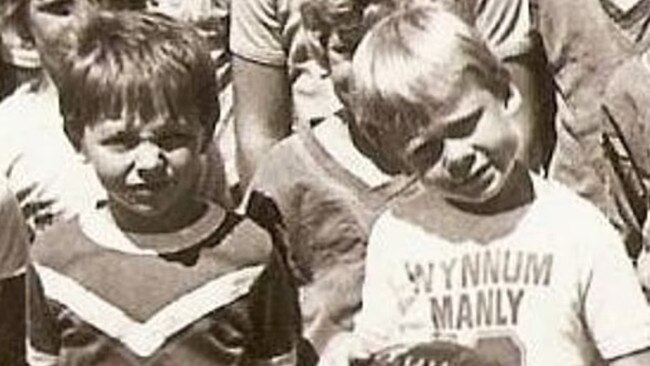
x: 343, y: 350
x: 39, y: 209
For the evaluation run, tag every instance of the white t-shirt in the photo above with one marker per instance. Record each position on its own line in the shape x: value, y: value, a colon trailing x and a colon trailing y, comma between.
x: 557, y: 290
x: 36, y: 156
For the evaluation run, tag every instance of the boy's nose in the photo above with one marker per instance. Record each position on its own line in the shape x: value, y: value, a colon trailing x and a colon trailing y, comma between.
x: 149, y: 159
x: 458, y: 162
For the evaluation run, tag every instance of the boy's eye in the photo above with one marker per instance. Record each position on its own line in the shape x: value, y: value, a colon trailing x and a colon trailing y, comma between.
x: 464, y: 126
x: 346, y: 39
x: 121, y: 141
x: 57, y: 7
x: 174, y: 140
x: 427, y: 154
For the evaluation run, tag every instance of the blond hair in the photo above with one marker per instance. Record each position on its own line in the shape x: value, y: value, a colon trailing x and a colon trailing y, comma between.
x: 409, y: 65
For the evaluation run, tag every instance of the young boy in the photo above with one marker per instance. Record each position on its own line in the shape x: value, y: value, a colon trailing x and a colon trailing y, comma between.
x: 156, y: 275
x: 483, y: 255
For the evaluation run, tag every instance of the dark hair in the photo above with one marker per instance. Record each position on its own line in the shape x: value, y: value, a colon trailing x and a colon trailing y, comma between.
x: 135, y: 64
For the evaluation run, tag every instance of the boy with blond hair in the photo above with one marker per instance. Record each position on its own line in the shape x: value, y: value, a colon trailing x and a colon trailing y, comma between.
x: 484, y: 264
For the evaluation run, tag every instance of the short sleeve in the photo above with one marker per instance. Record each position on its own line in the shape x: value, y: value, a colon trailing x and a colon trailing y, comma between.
x: 43, y: 339
x: 615, y: 310
x: 275, y: 315
x: 256, y: 31
x: 505, y: 25
x: 375, y: 324
x: 13, y: 236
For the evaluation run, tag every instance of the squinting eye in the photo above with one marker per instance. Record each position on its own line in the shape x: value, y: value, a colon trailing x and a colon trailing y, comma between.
x: 173, y: 140
x: 427, y: 154
x: 464, y: 126
x: 57, y: 7
x: 121, y: 142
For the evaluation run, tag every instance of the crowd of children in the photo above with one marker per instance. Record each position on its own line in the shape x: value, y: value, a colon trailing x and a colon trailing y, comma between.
x: 324, y: 182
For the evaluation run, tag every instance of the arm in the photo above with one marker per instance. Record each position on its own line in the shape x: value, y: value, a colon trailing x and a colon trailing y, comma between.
x: 262, y: 111
x: 261, y: 32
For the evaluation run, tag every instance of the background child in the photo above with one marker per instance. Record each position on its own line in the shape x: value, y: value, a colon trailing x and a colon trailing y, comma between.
x: 19, y: 60
x: 626, y: 139
x: 327, y: 191
x: 585, y: 41
x: 37, y: 159
x: 483, y: 255
x: 157, y: 274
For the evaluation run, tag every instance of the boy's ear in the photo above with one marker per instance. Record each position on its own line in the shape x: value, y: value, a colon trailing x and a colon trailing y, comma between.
x: 513, y: 99
x: 316, y: 45
x: 205, y: 141
x: 81, y: 153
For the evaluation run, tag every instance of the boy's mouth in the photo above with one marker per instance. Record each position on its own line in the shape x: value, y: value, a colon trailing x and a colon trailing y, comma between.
x: 471, y: 177
x: 144, y: 189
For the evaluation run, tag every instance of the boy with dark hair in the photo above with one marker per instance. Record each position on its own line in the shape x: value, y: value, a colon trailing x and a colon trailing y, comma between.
x: 37, y: 158
x: 586, y: 41
x: 156, y: 275
x: 483, y: 254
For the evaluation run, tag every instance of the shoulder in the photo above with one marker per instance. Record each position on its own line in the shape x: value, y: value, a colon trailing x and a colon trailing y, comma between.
x: 22, y: 94
x: 290, y: 151
x: 259, y: 29
x: 59, y: 243
x: 287, y: 165
x: 559, y: 209
x: 250, y: 235
x: 626, y: 78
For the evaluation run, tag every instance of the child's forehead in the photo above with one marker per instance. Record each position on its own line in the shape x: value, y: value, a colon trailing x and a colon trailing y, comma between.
x: 460, y: 104
x: 137, y: 123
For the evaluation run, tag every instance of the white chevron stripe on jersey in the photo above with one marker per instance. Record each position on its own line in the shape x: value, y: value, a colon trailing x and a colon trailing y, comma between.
x: 145, y: 338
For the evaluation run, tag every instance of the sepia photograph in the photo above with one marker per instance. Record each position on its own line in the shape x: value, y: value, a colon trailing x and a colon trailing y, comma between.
x: 324, y: 182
